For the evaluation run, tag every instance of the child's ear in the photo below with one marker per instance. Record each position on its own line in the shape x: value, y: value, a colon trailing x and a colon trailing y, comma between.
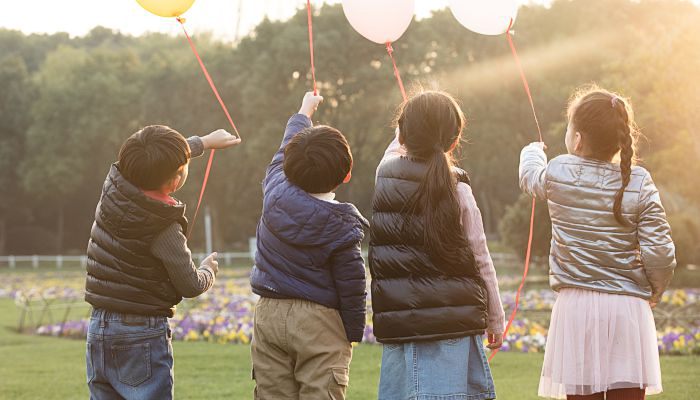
x: 578, y: 143
x: 348, y: 177
x: 177, y: 180
x: 173, y: 184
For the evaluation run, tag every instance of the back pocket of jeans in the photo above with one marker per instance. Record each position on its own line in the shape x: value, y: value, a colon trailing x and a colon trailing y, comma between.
x: 133, y: 363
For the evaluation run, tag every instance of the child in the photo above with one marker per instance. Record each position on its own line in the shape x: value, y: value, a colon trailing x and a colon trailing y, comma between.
x: 139, y: 266
x: 434, y: 286
x: 308, y: 268
x: 611, y: 255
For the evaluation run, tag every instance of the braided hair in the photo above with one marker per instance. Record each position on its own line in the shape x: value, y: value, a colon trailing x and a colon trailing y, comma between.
x: 606, y: 123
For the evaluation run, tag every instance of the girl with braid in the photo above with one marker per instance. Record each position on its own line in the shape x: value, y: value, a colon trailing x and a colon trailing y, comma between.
x: 611, y: 255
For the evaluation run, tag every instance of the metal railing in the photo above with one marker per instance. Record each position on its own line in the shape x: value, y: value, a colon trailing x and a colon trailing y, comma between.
x: 60, y: 261
x: 225, y: 258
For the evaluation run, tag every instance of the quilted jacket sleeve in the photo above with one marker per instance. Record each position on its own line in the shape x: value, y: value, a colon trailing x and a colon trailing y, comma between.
x: 349, y: 276
x: 656, y: 247
x: 275, y: 170
x: 532, y: 170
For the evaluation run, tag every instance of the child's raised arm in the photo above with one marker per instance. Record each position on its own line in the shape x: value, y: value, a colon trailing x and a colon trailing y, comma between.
x: 219, y: 139
x: 532, y: 170
x: 297, y: 123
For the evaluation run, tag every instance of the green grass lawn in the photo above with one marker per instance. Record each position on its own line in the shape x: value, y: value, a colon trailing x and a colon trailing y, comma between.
x: 34, y: 367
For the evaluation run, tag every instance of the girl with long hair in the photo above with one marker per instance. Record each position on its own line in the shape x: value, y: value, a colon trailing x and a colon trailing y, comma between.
x: 434, y: 286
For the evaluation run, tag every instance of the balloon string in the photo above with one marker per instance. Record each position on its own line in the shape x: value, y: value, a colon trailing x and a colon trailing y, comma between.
x: 228, y: 116
x: 532, y: 214
x: 522, y: 281
x: 397, y: 74
x: 311, y: 44
x: 523, y: 78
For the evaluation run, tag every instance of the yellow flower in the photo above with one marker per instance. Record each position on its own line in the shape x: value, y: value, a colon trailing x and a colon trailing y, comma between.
x: 192, y: 335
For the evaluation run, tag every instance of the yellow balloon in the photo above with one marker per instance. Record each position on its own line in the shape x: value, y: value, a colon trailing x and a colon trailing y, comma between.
x: 166, y: 8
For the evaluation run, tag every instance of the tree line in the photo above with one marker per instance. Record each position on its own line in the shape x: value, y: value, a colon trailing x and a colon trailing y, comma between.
x: 67, y: 103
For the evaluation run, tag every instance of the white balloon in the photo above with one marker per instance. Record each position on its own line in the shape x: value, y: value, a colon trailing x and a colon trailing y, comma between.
x: 487, y: 17
x: 380, y: 21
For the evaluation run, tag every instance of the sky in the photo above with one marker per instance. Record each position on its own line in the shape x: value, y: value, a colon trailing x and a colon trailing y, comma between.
x: 77, y: 17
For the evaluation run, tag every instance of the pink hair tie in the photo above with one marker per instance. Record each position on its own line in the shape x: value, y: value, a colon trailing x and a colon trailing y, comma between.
x: 614, y: 100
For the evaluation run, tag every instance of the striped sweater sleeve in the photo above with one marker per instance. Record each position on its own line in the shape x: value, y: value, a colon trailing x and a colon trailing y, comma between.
x: 196, y: 146
x: 171, y: 248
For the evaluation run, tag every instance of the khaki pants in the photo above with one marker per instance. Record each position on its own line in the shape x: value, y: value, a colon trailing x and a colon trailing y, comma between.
x: 299, y: 350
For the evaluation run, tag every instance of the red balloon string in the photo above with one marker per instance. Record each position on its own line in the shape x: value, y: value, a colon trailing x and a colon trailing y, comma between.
x: 532, y: 214
x: 390, y: 50
x: 228, y: 116
x: 523, y: 78
x: 311, y: 44
x: 522, y: 282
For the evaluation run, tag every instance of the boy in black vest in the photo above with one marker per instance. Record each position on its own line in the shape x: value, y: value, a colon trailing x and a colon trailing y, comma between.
x: 139, y: 266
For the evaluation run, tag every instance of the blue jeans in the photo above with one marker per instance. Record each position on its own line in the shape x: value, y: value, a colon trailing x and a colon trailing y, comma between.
x: 129, y: 357
x: 452, y: 369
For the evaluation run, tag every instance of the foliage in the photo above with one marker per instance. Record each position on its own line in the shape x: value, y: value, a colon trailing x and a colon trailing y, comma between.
x: 515, y: 224
x: 15, y: 98
x: 79, y: 98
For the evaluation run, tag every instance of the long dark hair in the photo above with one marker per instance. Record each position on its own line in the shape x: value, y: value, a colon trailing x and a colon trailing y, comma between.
x: 606, y: 123
x: 430, y: 126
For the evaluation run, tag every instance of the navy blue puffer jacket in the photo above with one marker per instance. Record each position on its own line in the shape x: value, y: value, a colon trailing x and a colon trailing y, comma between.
x: 308, y: 248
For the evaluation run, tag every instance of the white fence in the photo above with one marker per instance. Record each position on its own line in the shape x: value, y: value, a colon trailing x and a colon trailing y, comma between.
x: 225, y: 258
x: 60, y: 261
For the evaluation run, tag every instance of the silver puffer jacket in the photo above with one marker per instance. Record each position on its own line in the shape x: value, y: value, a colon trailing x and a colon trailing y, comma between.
x: 590, y: 249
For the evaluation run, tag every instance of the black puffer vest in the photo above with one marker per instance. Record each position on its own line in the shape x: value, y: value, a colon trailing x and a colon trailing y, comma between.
x: 122, y: 275
x: 412, y: 298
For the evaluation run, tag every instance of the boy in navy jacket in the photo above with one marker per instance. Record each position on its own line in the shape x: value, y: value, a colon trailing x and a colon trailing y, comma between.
x: 308, y: 268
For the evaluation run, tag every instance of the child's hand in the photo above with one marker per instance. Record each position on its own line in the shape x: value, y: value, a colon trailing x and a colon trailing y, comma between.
x: 495, y: 341
x: 539, y: 145
x: 220, y: 139
x: 310, y: 104
x: 652, y: 304
x: 211, y: 262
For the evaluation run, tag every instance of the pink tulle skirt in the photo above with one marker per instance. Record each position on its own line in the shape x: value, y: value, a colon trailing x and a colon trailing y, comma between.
x: 598, y: 342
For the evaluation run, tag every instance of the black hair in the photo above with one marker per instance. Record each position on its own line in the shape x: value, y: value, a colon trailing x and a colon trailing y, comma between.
x: 152, y: 156
x: 430, y: 127
x: 317, y: 159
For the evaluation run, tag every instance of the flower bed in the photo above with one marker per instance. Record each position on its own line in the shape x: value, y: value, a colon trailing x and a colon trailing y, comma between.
x: 225, y: 314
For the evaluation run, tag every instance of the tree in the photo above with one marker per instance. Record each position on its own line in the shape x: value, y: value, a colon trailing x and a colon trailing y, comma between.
x: 15, y: 99
x: 94, y: 91
x: 515, y: 225
x: 76, y: 130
